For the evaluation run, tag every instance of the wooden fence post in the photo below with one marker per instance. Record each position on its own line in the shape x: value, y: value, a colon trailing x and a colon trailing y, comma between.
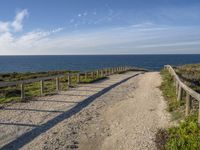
x: 78, y: 78
x: 57, y: 84
x: 22, y: 91
x: 97, y: 73
x: 69, y: 80
x: 102, y: 73
x: 199, y: 115
x: 92, y: 73
x: 180, y: 93
x: 188, y: 104
x: 41, y: 87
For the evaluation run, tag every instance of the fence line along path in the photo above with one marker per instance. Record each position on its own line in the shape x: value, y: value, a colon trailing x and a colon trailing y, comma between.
x: 181, y: 88
x: 97, y: 73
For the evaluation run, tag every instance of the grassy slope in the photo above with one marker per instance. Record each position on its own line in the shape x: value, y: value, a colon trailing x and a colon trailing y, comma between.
x: 13, y: 93
x: 190, y: 74
x: 186, y: 136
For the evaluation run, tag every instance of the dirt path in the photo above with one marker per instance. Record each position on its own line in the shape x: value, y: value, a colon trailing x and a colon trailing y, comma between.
x: 21, y: 123
x: 126, y: 118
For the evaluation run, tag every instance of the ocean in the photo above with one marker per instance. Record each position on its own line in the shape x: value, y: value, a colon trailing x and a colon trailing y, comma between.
x: 90, y: 62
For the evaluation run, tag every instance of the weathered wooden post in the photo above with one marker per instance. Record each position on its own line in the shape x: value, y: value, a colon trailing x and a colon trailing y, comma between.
x: 22, y: 91
x: 180, y: 93
x: 85, y: 75
x: 199, y: 115
x: 97, y: 74
x: 41, y: 87
x: 102, y: 73
x: 78, y: 78
x: 57, y: 84
x: 92, y: 73
x: 69, y: 80
x: 188, y: 104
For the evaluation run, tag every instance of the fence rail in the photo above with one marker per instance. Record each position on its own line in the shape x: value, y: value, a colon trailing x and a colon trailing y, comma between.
x: 98, y: 73
x: 180, y: 88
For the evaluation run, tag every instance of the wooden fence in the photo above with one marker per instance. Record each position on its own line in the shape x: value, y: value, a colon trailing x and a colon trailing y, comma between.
x: 181, y: 88
x: 98, y: 73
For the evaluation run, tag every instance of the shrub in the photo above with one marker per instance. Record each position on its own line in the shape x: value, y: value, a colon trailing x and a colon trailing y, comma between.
x: 184, y: 137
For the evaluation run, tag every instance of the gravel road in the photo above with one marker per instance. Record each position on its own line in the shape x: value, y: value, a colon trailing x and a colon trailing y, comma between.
x: 125, y: 117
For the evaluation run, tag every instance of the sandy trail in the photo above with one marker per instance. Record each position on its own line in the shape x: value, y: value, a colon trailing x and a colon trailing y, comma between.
x: 21, y: 123
x: 126, y: 117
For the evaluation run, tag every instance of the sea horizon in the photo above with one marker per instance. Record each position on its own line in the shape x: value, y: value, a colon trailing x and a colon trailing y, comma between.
x: 38, y: 63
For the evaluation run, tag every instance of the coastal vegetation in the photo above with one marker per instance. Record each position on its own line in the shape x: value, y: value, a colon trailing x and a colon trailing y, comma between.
x: 13, y: 93
x: 186, y: 135
x: 190, y: 74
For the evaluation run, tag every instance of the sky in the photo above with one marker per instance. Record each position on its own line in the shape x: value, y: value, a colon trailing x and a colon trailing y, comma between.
x: 73, y: 27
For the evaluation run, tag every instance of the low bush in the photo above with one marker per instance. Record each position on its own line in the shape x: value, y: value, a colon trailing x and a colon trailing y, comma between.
x: 185, y: 136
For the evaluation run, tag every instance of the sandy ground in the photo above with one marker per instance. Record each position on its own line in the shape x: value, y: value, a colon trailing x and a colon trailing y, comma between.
x: 20, y: 123
x: 124, y: 117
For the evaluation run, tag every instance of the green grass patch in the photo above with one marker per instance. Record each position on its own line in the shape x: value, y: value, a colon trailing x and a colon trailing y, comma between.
x: 168, y: 90
x: 190, y: 74
x: 13, y: 93
x: 91, y: 80
x: 185, y: 136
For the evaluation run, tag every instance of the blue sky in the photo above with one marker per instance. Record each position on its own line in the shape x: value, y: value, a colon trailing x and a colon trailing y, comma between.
x: 34, y: 27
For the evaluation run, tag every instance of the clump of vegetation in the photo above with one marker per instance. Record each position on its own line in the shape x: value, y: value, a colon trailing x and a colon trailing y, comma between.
x: 190, y: 74
x: 92, y: 80
x: 168, y: 90
x: 185, y: 136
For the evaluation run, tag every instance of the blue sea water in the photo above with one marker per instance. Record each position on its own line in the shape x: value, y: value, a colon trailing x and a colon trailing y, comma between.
x: 90, y: 62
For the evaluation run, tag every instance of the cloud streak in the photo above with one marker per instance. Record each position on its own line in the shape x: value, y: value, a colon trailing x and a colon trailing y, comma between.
x: 132, y: 39
x: 17, y: 23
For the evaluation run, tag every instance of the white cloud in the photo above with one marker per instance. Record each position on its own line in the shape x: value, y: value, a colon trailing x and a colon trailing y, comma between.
x: 17, y: 23
x: 129, y: 39
x: 139, y: 38
x: 4, y: 26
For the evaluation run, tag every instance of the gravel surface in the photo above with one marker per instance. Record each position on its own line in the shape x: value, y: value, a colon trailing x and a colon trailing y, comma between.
x: 126, y: 117
x: 59, y: 121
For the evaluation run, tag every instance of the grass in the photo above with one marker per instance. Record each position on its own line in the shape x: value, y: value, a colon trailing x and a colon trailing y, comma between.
x: 13, y: 93
x: 168, y: 90
x: 190, y: 74
x: 186, y: 135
